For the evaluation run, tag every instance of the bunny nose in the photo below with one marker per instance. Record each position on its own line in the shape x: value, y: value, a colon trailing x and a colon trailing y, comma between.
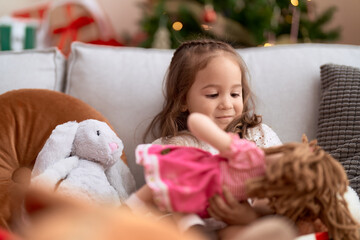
x: 113, y: 146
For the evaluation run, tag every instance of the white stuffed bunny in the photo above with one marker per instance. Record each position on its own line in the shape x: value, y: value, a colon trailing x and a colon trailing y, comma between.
x: 82, y: 160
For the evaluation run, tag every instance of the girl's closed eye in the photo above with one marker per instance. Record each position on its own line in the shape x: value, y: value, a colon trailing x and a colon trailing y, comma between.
x: 213, y: 95
x: 235, y: 95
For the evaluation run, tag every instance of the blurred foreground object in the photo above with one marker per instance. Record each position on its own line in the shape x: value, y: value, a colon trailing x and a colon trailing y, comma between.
x: 54, y: 217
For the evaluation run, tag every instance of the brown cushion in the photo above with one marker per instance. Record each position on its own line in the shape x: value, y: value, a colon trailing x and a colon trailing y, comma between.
x: 28, y: 117
x: 339, y: 118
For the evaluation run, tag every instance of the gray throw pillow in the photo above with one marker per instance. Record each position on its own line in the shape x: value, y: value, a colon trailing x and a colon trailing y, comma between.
x: 339, y: 118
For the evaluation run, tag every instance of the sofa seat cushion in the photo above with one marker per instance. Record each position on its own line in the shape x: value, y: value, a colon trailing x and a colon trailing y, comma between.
x: 28, y: 117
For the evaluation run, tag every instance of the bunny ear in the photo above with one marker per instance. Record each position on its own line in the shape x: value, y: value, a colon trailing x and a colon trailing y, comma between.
x: 57, y: 147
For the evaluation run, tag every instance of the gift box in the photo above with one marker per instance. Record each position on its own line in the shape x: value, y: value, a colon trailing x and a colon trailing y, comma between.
x: 17, y: 34
x: 67, y: 21
x: 37, y: 11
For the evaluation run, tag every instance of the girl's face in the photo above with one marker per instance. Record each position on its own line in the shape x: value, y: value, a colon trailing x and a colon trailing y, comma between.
x: 217, y: 91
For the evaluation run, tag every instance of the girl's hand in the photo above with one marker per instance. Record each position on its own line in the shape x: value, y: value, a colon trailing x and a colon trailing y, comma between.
x: 231, y: 211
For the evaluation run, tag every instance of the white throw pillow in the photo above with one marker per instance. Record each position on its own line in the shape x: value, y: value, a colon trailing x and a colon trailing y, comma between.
x: 44, y: 69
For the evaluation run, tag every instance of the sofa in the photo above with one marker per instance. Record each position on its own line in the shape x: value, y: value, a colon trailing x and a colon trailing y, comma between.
x: 124, y: 86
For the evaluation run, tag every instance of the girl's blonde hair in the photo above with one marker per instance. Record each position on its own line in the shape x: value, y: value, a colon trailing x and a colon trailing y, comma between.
x: 187, y: 61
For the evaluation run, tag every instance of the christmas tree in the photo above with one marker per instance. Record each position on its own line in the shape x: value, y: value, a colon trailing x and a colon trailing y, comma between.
x: 242, y: 23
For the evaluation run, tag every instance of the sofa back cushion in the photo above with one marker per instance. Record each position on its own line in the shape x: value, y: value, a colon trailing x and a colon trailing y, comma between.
x: 125, y: 84
x: 339, y: 118
x: 43, y: 69
x: 286, y: 82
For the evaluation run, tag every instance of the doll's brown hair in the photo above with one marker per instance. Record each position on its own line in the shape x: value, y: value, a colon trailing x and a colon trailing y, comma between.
x: 306, y: 183
x: 187, y: 61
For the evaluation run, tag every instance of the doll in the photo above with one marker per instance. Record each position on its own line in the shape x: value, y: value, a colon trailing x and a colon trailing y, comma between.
x: 306, y: 184
x: 300, y: 180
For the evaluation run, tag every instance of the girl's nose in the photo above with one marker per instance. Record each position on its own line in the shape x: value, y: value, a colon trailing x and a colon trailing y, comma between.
x: 225, y: 103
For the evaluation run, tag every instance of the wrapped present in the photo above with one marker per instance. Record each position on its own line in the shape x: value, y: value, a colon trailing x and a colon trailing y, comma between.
x: 17, y: 34
x: 36, y: 11
x: 67, y: 21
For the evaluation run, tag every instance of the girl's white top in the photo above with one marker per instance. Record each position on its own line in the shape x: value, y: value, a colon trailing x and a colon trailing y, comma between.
x: 262, y: 135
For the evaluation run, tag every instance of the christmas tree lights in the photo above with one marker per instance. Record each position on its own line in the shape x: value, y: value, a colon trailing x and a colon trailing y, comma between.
x: 242, y: 23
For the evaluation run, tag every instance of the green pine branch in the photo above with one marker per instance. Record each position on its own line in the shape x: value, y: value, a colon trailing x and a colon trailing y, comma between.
x: 244, y: 22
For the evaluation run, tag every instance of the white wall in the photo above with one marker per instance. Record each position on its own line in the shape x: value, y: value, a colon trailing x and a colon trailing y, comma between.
x: 347, y: 16
x: 7, y: 6
x: 125, y: 14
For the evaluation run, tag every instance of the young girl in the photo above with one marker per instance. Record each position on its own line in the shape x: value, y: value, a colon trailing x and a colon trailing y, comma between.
x: 183, y: 179
x: 302, y: 181
x: 209, y: 77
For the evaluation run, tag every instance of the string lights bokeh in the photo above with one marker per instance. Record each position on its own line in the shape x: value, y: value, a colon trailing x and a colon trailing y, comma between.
x: 177, y: 26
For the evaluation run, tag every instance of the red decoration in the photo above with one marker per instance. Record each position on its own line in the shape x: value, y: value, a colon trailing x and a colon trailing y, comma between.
x: 137, y: 39
x: 111, y: 42
x: 76, y: 20
x: 67, y: 23
x: 314, y: 236
x: 322, y: 236
x: 71, y: 30
x: 36, y: 12
x: 5, y: 235
x: 209, y: 14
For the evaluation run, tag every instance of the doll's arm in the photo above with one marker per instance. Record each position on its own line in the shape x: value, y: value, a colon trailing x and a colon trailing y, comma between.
x: 206, y: 130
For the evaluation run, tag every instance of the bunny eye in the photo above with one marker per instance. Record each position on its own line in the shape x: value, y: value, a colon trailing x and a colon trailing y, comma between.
x: 98, y: 132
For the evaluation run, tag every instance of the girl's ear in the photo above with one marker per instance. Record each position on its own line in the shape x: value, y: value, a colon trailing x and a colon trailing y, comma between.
x: 183, y: 108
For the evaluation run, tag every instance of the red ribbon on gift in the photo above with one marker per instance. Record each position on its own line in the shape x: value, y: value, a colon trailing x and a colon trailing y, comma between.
x: 71, y: 30
x: 38, y: 12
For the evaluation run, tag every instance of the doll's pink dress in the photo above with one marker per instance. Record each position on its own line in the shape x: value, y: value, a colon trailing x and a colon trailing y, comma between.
x: 183, y: 179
